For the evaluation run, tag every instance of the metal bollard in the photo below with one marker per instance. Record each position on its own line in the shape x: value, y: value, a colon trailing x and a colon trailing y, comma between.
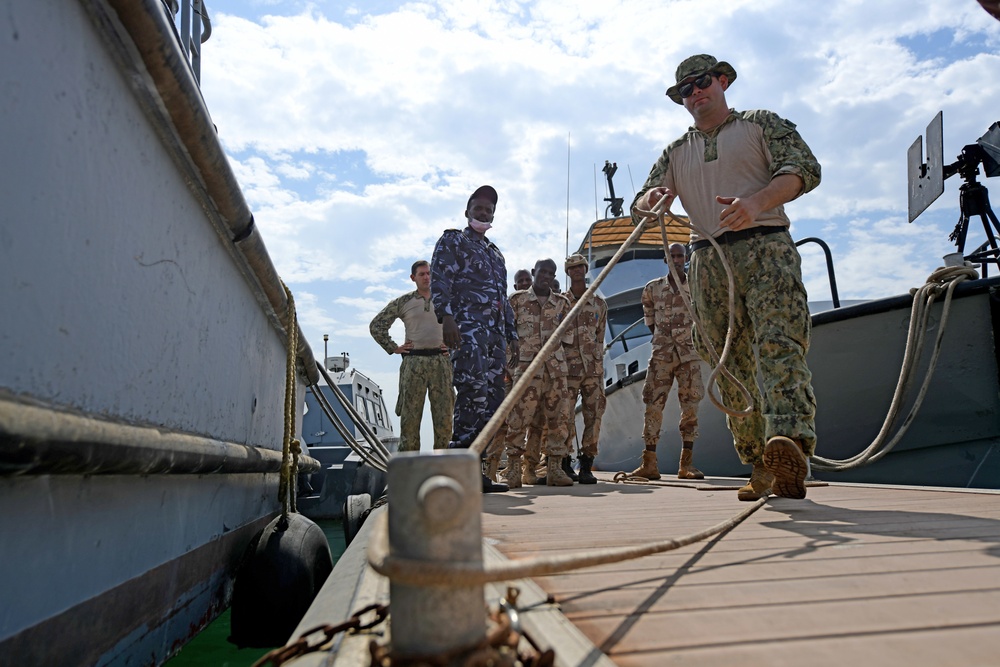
x: 435, y: 501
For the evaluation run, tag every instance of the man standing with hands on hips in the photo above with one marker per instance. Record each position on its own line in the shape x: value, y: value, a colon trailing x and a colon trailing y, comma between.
x: 425, y: 369
x: 733, y: 171
x: 469, y: 292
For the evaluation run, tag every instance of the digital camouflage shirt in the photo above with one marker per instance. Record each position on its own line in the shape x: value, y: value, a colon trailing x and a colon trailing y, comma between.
x: 469, y: 282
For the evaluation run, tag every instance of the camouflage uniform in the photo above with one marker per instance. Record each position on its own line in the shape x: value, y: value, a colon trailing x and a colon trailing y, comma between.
x: 546, y: 392
x: 469, y: 282
x: 738, y: 158
x: 585, y: 371
x: 418, y: 375
x: 672, y: 356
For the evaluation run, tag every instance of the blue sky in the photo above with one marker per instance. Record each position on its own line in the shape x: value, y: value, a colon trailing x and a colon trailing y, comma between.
x: 358, y: 129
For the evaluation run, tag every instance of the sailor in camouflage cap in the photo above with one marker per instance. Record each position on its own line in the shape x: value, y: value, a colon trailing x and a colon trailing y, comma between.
x: 733, y: 172
x: 692, y: 70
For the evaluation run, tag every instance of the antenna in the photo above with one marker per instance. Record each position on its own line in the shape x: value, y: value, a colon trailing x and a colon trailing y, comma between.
x: 568, y: 137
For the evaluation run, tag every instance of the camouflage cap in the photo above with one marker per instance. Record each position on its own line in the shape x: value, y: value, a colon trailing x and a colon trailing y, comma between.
x: 696, y: 65
x: 576, y: 260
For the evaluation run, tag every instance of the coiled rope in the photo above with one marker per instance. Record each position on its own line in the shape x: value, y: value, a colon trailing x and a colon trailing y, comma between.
x: 944, y: 279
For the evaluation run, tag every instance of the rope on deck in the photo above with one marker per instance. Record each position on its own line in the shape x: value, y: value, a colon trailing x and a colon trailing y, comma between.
x: 427, y: 573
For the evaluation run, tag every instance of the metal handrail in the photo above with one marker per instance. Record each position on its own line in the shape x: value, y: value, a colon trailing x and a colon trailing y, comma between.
x: 622, y: 333
x: 829, y: 266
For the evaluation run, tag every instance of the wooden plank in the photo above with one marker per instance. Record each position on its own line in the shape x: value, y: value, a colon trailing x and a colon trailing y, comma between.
x: 875, y: 575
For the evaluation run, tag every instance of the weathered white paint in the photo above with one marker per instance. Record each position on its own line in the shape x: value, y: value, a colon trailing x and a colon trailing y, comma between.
x: 119, y: 298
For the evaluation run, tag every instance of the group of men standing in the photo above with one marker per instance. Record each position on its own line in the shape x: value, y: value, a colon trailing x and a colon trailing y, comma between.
x: 733, y: 172
x: 464, y: 335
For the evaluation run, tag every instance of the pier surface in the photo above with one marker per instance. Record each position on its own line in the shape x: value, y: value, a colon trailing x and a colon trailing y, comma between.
x: 852, y: 575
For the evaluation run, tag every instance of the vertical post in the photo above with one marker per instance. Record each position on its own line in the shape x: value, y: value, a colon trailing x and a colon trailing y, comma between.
x: 435, y: 501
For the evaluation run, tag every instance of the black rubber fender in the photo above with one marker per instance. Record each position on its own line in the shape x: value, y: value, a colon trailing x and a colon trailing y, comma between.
x: 282, y: 572
x: 356, y: 509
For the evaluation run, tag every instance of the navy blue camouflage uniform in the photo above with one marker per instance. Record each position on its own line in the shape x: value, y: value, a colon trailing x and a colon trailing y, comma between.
x: 469, y: 282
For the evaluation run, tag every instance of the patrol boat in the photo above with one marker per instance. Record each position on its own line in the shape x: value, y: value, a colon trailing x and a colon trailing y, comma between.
x: 856, y: 354
x: 145, y: 341
x: 344, y: 472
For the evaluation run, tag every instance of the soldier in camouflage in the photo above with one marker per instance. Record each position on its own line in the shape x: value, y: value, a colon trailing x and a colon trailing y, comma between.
x: 672, y: 356
x: 585, y: 366
x: 425, y: 368
x: 537, y: 312
x: 494, y: 451
x: 733, y: 172
x: 469, y: 292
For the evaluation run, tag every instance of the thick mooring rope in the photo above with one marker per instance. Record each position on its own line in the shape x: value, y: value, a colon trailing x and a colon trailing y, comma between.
x: 427, y: 573
x: 944, y: 279
x: 290, y: 447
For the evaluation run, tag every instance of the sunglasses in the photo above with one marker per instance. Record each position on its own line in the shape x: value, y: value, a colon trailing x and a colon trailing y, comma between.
x: 704, y: 81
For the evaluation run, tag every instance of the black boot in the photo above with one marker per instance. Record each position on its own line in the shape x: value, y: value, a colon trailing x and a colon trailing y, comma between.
x: 567, y: 467
x: 489, y: 486
x: 586, y: 477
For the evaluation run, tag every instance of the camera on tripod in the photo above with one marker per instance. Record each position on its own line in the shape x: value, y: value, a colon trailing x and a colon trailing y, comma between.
x: 926, y: 183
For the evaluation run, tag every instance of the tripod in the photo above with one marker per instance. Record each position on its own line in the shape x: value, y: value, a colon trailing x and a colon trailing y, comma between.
x: 974, y: 199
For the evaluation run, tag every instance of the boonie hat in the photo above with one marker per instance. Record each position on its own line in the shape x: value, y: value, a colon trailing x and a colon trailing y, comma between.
x: 576, y: 260
x: 695, y: 66
x: 483, y: 192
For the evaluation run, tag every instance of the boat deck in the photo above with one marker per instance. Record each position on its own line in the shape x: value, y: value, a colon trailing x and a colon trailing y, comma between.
x: 854, y: 574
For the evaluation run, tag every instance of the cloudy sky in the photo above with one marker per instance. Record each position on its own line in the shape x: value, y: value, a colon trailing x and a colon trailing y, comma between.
x: 358, y: 129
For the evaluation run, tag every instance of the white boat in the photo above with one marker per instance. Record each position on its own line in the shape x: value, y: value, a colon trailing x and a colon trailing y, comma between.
x: 855, y: 356
x: 144, y: 341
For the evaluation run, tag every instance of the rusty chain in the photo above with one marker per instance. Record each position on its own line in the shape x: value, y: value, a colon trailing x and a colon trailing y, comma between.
x: 302, y: 645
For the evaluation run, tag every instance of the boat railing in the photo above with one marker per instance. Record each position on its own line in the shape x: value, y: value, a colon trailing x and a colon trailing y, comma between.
x: 829, y: 266
x: 195, y: 29
x: 621, y: 335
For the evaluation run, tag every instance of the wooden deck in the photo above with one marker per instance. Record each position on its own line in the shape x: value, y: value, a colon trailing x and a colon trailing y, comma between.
x: 853, y: 575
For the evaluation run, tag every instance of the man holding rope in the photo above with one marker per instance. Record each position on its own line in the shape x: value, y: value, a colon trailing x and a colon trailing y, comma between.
x: 733, y: 172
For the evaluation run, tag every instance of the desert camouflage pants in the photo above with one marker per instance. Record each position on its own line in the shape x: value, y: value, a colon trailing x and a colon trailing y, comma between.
x: 771, y: 313
x: 545, y: 396
x: 592, y: 403
x: 494, y: 450
x: 419, y: 377
x: 660, y: 376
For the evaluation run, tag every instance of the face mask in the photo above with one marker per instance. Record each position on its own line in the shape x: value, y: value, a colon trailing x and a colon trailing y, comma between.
x: 479, y: 226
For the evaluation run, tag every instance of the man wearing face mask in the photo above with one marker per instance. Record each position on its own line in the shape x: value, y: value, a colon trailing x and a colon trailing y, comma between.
x: 469, y: 293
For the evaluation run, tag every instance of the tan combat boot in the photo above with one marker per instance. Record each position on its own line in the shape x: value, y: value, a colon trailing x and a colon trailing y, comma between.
x: 528, y: 475
x: 686, y: 469
x: 554, y: 475
x: 492, y: 468
x: 649, y: 468
x: 759, y: 485
x: 513, y: 473
x: 784, y: 459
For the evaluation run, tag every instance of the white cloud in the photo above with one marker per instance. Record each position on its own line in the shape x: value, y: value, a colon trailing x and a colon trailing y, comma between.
x: 358, y: 130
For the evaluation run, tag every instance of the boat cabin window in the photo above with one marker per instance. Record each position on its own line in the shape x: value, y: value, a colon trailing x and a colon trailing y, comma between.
x: 620, y: 319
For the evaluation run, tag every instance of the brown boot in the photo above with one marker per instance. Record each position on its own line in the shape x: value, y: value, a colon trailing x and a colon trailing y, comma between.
x: 513, y: 473
x: 784, y: 459
x: 686, y: 469
x: 554, y: 475
x: 528, y: 475
x: 649, y: 468
x: 492, y: 468
x: 759, y: 485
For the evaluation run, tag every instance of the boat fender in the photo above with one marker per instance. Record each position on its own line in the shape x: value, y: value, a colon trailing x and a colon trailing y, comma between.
x: 283, y: 570
x: 356, y: 510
